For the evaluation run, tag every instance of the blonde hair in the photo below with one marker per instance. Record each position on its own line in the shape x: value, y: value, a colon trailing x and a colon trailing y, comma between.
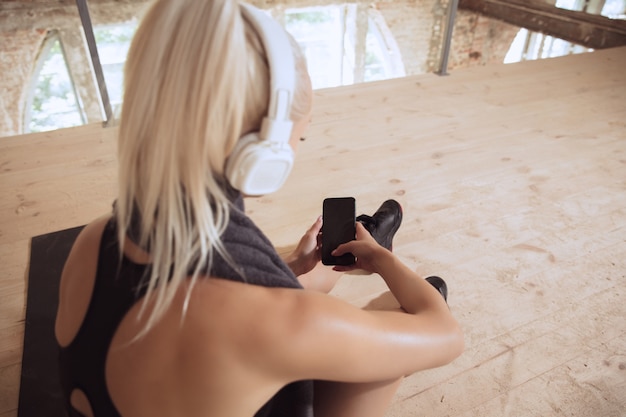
x: 196, y: 80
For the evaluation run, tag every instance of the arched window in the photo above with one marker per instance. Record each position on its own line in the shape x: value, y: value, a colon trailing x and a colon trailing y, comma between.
x: 51, y: 101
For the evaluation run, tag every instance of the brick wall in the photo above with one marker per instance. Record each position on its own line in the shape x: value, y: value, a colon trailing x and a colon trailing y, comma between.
x: 411, y: 24
x: 478, y: 40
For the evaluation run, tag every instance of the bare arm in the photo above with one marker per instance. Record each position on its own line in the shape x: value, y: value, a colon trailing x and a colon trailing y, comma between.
x: 282, y: 335
x: 333, y: 340
x: 326, y: 338
x: 306, y: 255
x: 415, y: 295
x: 305, y: 263
x: 337, y: 341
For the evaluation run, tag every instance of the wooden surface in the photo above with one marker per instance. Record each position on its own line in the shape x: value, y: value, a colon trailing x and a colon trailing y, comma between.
x: 513, y: 183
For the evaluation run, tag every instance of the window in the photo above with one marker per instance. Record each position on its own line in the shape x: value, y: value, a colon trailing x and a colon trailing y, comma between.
x: 343, y: 45
x: 113, y: 43
x: 342, y: 48
x: 614, y: 9
x: 529, y: 45
x: 532, y: 45
x: 52, y: 101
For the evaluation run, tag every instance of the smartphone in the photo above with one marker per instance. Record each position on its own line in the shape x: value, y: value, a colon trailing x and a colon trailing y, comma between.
x: 338, y: 227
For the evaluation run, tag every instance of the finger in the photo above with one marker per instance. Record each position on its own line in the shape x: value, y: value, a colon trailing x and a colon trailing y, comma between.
x: 344, y: 248
x: 316, y: 227
x: 339, y: 250
x: 344, y: 268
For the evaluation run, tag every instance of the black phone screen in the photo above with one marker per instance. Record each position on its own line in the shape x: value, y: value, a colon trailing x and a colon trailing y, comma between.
x: 338, y: 227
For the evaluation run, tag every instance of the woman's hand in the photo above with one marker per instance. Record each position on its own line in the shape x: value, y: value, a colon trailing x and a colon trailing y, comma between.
x: 307, y: 254
x: 367, y: 251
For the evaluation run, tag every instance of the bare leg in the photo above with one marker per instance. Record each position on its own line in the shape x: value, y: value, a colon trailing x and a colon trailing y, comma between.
x: 321, y: 278
x: 341, y: 399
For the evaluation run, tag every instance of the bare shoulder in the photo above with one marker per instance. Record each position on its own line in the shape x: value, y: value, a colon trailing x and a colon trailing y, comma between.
x: 298, y: 334
x: 77, y: 280
x: 88, y: 239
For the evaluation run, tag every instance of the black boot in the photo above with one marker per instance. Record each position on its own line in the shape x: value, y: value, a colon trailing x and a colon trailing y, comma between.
x: 440, y: 285
x: 384, y: 224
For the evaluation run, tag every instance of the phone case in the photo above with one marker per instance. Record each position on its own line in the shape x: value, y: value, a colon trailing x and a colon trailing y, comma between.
x: 338, y: 227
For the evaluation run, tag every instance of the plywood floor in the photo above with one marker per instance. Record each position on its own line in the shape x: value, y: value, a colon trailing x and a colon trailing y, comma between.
x: 513, y: 182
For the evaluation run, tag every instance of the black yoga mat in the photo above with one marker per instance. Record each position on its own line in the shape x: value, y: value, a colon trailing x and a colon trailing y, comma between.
x: 40, y: 392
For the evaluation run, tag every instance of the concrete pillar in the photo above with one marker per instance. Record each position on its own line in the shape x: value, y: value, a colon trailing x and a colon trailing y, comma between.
x: 439, y: 11
x: 360, y: 45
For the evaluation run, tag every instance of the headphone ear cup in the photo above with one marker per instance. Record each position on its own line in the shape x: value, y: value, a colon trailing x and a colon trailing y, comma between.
x: 258, y: 167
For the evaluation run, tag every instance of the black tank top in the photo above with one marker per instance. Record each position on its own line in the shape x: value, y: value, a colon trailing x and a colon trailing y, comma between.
x: 117, y: 288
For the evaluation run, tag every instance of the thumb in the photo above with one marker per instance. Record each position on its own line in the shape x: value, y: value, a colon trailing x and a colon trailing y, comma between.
x: 361, y: 231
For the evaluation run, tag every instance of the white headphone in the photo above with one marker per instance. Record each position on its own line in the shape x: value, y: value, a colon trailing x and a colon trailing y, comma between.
x: 261, y: 161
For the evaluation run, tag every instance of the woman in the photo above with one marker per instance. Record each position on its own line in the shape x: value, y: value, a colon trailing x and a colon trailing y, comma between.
x: 176, y: 304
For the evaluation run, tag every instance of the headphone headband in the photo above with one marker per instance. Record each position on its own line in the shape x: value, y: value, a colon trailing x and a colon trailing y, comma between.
x: 277, y: 125
x: 261, y: 161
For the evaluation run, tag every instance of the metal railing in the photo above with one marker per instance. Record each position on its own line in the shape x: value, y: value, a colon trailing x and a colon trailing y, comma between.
x: 83, y: 11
